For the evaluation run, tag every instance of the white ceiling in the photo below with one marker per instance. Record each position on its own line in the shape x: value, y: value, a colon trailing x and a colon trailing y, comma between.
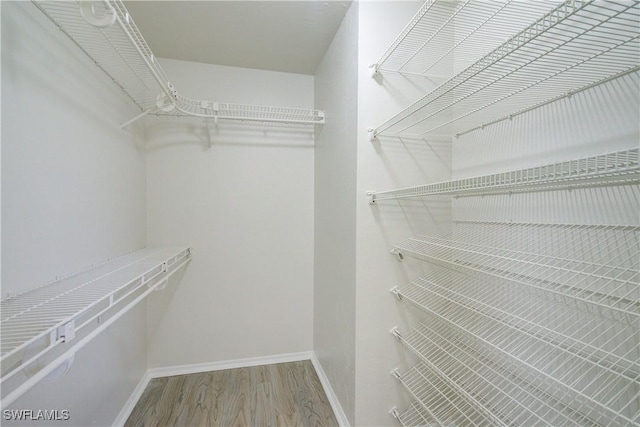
x: 289, y: 36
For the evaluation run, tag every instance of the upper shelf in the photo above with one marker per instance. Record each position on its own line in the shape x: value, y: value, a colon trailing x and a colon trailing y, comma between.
x: 617, y: 168
x: 445, y: 37
x: 577, y: 45
x: 73, y: 310
x: 105, y: 31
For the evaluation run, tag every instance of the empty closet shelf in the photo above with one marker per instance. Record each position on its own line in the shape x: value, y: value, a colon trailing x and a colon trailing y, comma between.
x: 574, y: 47
x: 72, y: 311
x: 610, y: 291
x: 442, y: 405
x: 562, y: 362
x: 615, y: 168
x: 511, y: 394
x: 469, y: 29
x: 601, y: 342
x: 106, y: 33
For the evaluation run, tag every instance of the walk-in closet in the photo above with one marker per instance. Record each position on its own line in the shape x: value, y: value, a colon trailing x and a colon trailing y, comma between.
x: 354, y: 213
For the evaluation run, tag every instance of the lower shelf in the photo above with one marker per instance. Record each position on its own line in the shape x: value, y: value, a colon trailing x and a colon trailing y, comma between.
x: 602, y: 280
x: 440, y: 404
x: 43, y: 328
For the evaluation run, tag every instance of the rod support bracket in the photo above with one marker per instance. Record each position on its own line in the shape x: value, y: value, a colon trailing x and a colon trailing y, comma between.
x: 372, y: 134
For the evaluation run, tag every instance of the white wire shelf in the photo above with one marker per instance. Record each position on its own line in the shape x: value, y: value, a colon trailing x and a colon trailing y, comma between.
x: 577, y: 45
x: 119, y: 49
x: 603, y: 280
x: 496, y: 386
x: 556, y: 343
x: 414, y: 415
x: 467, y: 29
x: 438, y: 402
x: 44, y: 327
x: 616, y: 168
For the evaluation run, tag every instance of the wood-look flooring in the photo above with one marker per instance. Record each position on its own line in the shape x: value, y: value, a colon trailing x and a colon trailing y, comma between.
x: 283, y: 394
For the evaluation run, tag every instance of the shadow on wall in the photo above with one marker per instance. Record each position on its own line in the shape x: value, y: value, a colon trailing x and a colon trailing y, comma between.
x: 166, y: 132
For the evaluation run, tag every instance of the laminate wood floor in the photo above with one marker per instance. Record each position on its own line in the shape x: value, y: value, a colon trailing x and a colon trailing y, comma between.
x: 283, y: 394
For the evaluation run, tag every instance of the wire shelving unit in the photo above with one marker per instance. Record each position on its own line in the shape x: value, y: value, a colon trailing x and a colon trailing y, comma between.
x: 106, y: 32
x: 438, y: 402
x: 596, y: 283
x: 574, y: 47
x: 43, y: 328
x: 543, y: 337
x: 447, y: 36
x: 616, y: 168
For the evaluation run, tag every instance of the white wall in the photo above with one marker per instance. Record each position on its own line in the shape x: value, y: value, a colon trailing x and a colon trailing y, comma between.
x: 386, y: 164
x: 245, y: 206
x: 336, y: 85
x: 73, y: 194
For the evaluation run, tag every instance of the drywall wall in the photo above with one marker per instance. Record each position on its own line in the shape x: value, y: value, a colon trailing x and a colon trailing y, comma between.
x: 73, y: 194
x: 388, y: 163
x: 245, y: 206
x: 334, y: 340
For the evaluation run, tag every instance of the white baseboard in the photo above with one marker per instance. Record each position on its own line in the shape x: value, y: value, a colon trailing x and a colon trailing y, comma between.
x: 343, y: 421
x: 231, y: 364
x: 228, y: 364
x: 133, y: 399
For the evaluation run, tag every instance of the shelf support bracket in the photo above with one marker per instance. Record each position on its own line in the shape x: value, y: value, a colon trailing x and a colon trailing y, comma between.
x: 395, y: 291
x: 394, y: 413
x: 373, y: 70
x: 372, y: 134
x: 397, y: 253
x: 372, y: 197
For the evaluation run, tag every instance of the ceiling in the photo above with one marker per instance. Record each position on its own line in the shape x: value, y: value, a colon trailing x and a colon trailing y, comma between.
x: 288, y: 36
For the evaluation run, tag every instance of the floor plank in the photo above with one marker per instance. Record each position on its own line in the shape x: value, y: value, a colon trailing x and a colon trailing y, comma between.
x: 283, y: 394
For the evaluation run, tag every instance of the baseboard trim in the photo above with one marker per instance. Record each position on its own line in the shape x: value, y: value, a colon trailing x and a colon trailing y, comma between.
x: 133, y: 399
x: 343, y: 421
x: 228, y: 364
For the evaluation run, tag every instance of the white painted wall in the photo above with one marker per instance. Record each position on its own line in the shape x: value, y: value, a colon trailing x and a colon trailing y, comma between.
x: 386, y: 164
x: 73, y: 194
x: 334, y: 340
x: 245, y: 206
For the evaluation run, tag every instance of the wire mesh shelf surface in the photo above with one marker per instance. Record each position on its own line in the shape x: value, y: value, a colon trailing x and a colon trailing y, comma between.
x: 438, y: 401
x: 616, y: 168
x: 122, y: 53
x: 445, y: 37
x: 577, y: 45
x: 596, y: 283
x: 547, y: 336
x: 70, y: 308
